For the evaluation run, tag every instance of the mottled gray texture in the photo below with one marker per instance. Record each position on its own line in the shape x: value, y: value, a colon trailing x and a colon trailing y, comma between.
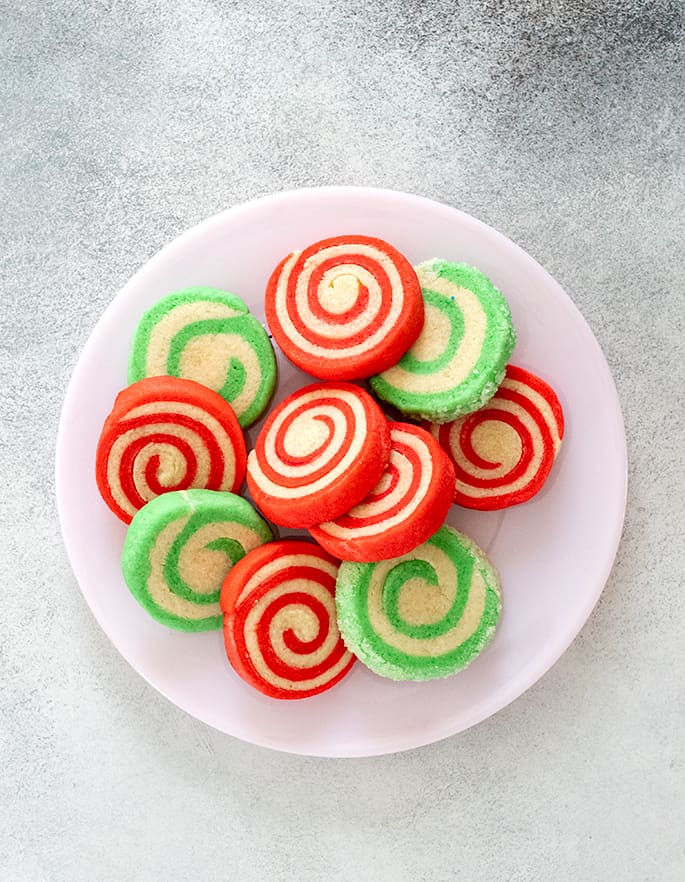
x: 122, y: 124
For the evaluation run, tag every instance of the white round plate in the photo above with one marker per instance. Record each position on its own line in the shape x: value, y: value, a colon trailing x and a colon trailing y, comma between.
x: 554, y: 553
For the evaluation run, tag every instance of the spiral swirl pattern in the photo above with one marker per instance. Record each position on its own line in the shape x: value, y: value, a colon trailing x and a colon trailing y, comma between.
x: 167, y: 434
x: 458, y: 360
x: 280, y: 626
x: 345, y: 307
x: 503, y: 454
x: 179, y: 549
x: 209, y: 336
x: 408, y: 504
x: 319, y: 453
x: 423, y: 615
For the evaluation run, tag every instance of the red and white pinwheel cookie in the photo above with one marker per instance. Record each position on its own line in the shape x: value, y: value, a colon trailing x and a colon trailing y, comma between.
x: 319, y: 453
x: 409, y: 503
x: 503, y: 453
x: 164, y: 434
x: 280, y: 627
x: 345, y: 308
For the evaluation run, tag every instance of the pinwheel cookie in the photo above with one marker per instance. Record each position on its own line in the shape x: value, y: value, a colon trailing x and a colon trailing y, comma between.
x: 319, y: 453
x: 409, y: 503
x: 167, y: 434
x: 344, y: 308
x: 424, y: 615
x: 459, y: 358
x: 503, y: 454
x: 179, y: 549
x: 208, y: 335
x: 280, y: 627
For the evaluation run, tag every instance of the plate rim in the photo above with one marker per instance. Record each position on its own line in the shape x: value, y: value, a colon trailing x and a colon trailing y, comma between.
x: 534, y: 670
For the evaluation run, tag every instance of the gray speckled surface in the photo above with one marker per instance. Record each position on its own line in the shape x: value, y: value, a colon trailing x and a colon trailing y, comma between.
x: 559, y: 123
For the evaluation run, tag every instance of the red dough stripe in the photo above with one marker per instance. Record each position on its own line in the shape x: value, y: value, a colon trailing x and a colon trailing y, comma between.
x: 520, y: 375
x: 349, y: 317
x: 285, y: 458
x: 319, y: 452
x: 142, y: 428
x: 254, y: 638
x: 539, y: 430
x: 361, y: 338
x: 409, y: 503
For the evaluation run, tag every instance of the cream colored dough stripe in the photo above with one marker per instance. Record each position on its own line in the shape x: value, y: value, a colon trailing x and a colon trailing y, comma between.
x: 123, y: 442
x: 157, y: 355
x: 206, y: 358
x: 334, y: 331
x: 468, y: 353
x: 282, y: 563
x: 406, y: 473
x: 539, y: 402
x: 293, y: 621
x: 445, y: 569
x: 293, y: 333
x: 339, y: 287
x: 268, y: 486
x: 510, y: 462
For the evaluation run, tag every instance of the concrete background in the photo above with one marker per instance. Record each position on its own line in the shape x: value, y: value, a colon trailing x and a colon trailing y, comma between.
x: 559, y: 123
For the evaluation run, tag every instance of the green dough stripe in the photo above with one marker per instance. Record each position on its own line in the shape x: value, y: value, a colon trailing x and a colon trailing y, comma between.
x: 421, y: 569
x: 482, y: 382
x: 449, y: 308
x: 201, y: 507
x: 352, y: 593
x: 244, y: 325
x: 236, y: 375
x: 232, y: 550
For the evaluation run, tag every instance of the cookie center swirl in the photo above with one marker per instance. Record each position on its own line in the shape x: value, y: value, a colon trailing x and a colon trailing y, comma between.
x: 294, y: 638
x: 310, y: 443
x: 164, y: 341
x: 307, y: 436
x: 501, y: 446
x: 170, y: 466
x: 497, y: 443
x: 345, y: 297
x: 160, y: 448
x: 429, y: 605
x: 286, y: 612
x: 222, y: 362
x: 339, y: 293
x: 300, y: 627
x: 419, y: 603
x: 200, y: 558
x: 188, y: 564
x: 206, y: 557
